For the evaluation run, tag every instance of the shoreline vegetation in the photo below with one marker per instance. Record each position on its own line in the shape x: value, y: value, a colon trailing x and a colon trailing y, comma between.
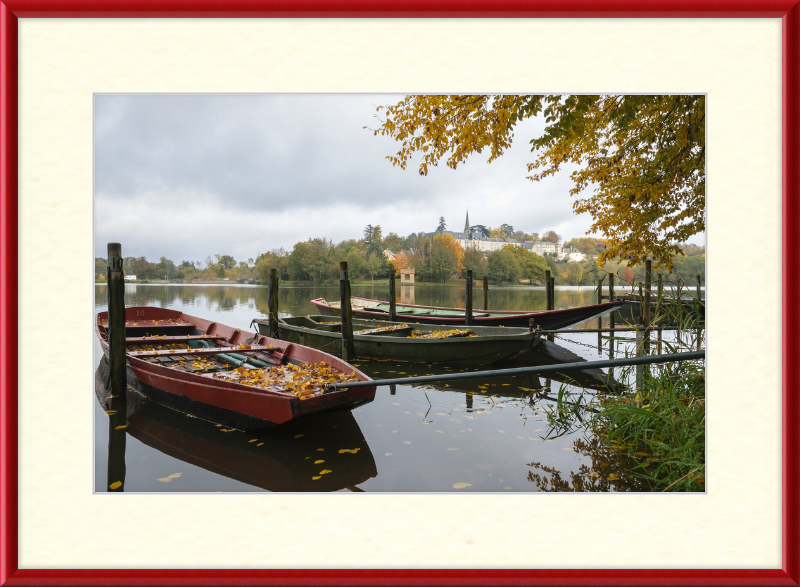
x: 658, y: 424
x: 439, y: 259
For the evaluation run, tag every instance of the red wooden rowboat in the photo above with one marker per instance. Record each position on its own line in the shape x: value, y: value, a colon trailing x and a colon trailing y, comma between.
x: 184, y: 379
x: 546, y: 319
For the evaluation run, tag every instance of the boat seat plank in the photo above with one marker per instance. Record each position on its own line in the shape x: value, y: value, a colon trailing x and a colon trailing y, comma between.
x: 203, y: 351
x: 163, y: 339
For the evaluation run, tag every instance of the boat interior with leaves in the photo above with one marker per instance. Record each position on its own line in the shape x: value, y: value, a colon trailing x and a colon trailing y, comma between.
x: 227, y: 375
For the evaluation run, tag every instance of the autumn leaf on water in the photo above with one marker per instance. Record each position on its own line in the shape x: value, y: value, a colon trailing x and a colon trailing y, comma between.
x: 388, y: 454
x: 115, y: 485
x: 452, y: 449
x: 325, y: 471
x: 461, y: 485
x: 315, y: 478
x: 259, y: 444
x: 319, y: 461
x: 120, y: 427
x: 255, y: 439
x: 613, y: 477
x: 170, y: 478
x: 350, y: 450
x: 406, y: 442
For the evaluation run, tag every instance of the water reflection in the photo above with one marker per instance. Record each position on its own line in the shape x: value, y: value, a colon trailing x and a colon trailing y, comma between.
x: 493, y: 434
x: 289, y: 457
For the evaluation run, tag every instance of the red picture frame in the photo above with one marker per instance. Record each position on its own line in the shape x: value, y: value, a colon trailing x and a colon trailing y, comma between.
x: 11, y: 10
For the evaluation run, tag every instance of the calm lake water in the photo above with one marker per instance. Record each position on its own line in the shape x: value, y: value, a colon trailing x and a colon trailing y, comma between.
x: 492, y: 434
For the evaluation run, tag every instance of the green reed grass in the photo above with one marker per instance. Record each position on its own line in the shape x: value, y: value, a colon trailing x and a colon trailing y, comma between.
x: 658, y: 425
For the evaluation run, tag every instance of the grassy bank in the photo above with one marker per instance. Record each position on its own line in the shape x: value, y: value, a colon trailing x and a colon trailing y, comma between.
x: 657, y: 427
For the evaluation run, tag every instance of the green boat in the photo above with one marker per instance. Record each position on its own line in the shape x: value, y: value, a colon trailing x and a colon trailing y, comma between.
x: 379, y: 339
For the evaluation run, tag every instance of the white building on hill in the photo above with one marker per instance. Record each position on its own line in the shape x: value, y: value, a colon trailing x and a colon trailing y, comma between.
x: 475, y: 240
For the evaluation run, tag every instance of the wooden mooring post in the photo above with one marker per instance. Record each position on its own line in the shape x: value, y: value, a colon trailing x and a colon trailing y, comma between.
x: 548, y: 303
x: 611, y: 318
x: 599, y: 285
x: 116, y: 321
x: 658, y: 310
x: 698, y: 290
x: 697, y: 317
x: 272, y: 303
x: 468, y: 310
x: 485, y: 292
x: 392, y: 301
x: 648, y: 278
x: 548, y: 286
x: 348, y: 350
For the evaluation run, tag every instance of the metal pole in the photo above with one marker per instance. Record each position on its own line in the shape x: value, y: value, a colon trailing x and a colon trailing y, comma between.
x: 116, y: 321
x: 647, y: 360
x: 468, y: 311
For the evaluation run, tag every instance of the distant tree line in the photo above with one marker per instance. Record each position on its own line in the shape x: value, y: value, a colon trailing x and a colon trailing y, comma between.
x: 434, y: 259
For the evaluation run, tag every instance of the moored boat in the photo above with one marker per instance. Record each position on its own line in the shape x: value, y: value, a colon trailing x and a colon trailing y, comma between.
x: 227, y: 375
x: 545, y: 319
x: 271, y: 458
x: 377, y: 339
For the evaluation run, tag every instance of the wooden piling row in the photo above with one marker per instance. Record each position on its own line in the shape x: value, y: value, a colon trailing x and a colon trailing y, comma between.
x: 485, y: 292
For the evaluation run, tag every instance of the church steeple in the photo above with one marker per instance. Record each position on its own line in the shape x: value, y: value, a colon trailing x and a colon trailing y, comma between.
x: 466, y: 224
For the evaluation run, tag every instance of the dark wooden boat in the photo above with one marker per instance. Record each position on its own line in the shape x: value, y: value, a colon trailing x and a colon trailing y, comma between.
x: 545, y: 319
x: 408, y: 342
x: 204, y: 379
x: 274, y: 459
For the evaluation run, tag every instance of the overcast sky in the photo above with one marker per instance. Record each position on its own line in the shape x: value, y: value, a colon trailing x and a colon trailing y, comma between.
x: 190, y: 176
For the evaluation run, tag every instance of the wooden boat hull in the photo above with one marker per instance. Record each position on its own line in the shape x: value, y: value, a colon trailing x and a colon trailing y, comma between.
x: 229, y: 403
x: 276, y: 462
x: 546, y: 319
x: 491, y: 345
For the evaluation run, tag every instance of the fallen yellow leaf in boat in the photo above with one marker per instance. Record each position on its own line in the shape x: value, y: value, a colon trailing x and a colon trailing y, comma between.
x: 115, y: 485
x: 461, y: 485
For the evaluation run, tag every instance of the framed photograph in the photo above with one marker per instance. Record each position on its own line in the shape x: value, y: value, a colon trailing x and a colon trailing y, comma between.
x: 61, y: 65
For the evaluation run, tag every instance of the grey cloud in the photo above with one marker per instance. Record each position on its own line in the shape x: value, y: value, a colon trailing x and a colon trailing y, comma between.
x: 255, y: 155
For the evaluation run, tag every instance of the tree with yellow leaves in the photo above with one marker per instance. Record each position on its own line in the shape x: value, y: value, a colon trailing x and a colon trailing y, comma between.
x: 640, y: 159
